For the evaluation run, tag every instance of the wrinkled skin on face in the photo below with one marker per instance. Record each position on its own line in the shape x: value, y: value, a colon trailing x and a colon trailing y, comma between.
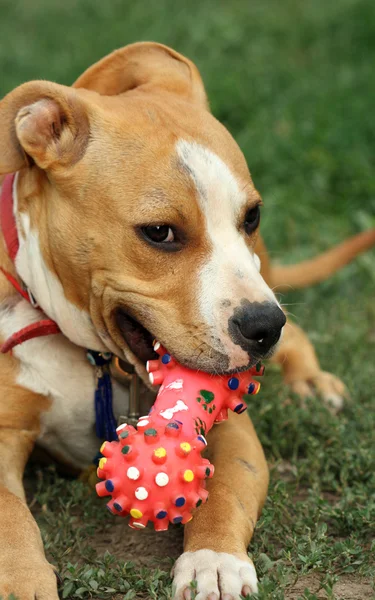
x: 103, y: 170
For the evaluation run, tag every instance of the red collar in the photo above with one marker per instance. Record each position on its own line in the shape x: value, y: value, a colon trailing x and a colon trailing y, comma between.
x: 9, y: 230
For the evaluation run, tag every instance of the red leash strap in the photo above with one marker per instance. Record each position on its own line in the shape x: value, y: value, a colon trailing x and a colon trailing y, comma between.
x: 9, y: 230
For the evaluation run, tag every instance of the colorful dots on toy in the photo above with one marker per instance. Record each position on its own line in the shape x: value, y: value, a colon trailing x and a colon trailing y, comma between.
x: 177, y: 520
x: 180, y: 501
x: 133, y: 473
x: 166, y: 359
x: 102, y: 462
x: 141, y: 493
x: 161, y: 514
x: 188, y: 475
x: 135, y: 513
x: 151, y: 432
x: 109, y: 485
x: 172, y: 429
x: 253, y: 388
x: 151, y: 435
x: 143, y: 422
x: 159, y: 456
x: 161, y: 479
x: 233, y: 383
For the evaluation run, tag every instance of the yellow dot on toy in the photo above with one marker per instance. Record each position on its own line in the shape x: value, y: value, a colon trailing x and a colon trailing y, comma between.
x: 136, y: 514
x: 191, y: 518
x: 102, y: 447
x: 160, y: 452
x: 258, y: 390
x: 185, y: 447
x: 188, y: 475
x: 102, y: 463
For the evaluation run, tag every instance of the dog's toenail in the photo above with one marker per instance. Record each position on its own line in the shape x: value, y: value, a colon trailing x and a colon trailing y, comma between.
x: 213, y: 596
x: 227, y: 597
x: 246, y: 591
x: 187, y: 595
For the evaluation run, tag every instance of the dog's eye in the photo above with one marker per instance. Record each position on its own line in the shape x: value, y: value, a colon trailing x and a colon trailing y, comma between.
x: 159, y: 234
x: 252, y: 219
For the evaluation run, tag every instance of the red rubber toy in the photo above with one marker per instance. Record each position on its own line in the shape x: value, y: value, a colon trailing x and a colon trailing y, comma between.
x: 156, y: 473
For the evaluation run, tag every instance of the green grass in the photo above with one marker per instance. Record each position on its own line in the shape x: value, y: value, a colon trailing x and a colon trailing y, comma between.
x: 293, y: 81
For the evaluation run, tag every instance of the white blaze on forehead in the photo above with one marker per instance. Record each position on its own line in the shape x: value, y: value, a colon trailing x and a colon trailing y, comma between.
x: 231, y: 271
x: 220, y: 193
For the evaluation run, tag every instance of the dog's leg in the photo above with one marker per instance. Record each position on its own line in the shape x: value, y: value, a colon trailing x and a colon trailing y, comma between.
x: 24, y: 570
x: 216, y: 540
x: 302, y: 371
x: 297, y: 356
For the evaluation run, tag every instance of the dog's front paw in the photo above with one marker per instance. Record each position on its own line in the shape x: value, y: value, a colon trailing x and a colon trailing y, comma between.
x: 215, y: 576
x: 34, y: 581
x: 329, y: 387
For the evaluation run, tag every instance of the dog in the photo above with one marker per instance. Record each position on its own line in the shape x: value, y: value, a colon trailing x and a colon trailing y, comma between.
x: 135, y: 217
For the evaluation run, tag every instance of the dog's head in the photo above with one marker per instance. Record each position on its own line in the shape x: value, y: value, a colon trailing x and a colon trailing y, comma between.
x: 140, y: 212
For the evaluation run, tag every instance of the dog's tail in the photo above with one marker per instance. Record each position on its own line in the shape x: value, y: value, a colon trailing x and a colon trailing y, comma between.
x: 322, y: 266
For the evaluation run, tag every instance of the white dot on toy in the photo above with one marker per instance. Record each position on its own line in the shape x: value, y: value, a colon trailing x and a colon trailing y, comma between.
x: 161, y: 479
x: 133, y: 473
x: 138, y: 525
x: 141, y: 493
x: 121, y: 428
x: 143, y: 422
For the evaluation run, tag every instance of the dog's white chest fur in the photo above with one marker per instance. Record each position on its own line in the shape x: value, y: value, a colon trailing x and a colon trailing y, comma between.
x: 55, y: 367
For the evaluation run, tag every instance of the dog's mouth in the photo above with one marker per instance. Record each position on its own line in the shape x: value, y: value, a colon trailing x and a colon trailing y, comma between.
x: 138, y: 338
x: 141, y: 343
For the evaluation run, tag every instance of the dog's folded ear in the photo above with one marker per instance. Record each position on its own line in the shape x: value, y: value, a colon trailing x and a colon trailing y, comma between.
x: 42, y: 123
x: 147, y: 65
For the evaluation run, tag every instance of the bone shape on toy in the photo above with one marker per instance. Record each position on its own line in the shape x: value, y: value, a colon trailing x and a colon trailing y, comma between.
x: 169, y: 412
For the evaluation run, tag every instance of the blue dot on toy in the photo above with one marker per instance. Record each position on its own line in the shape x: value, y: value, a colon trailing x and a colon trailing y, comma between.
x: 109, y: 485
x: 177, y: 520
x: 161, y: 514
x: 251, y: 388
x: 180, y: 501
x: 233, y: 383
x: 117, y: 506
x: 239, y: 408
x: 173, y: 426
x: 166, y: 359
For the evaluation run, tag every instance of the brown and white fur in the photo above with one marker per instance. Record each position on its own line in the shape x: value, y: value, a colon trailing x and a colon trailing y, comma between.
x: 133, y: 144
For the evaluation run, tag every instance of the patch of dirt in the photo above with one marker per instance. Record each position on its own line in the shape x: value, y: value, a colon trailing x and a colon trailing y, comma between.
x: 348, y: 588
x: 146, y: 547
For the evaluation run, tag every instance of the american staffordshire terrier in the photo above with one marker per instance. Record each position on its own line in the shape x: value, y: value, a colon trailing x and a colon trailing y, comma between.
x: 131, y: 215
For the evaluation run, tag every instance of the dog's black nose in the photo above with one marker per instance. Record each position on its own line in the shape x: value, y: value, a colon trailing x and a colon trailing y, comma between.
x: 256, y: 326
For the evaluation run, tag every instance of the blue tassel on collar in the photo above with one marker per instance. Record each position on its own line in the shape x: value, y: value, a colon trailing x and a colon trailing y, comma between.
x: 105, y: 422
